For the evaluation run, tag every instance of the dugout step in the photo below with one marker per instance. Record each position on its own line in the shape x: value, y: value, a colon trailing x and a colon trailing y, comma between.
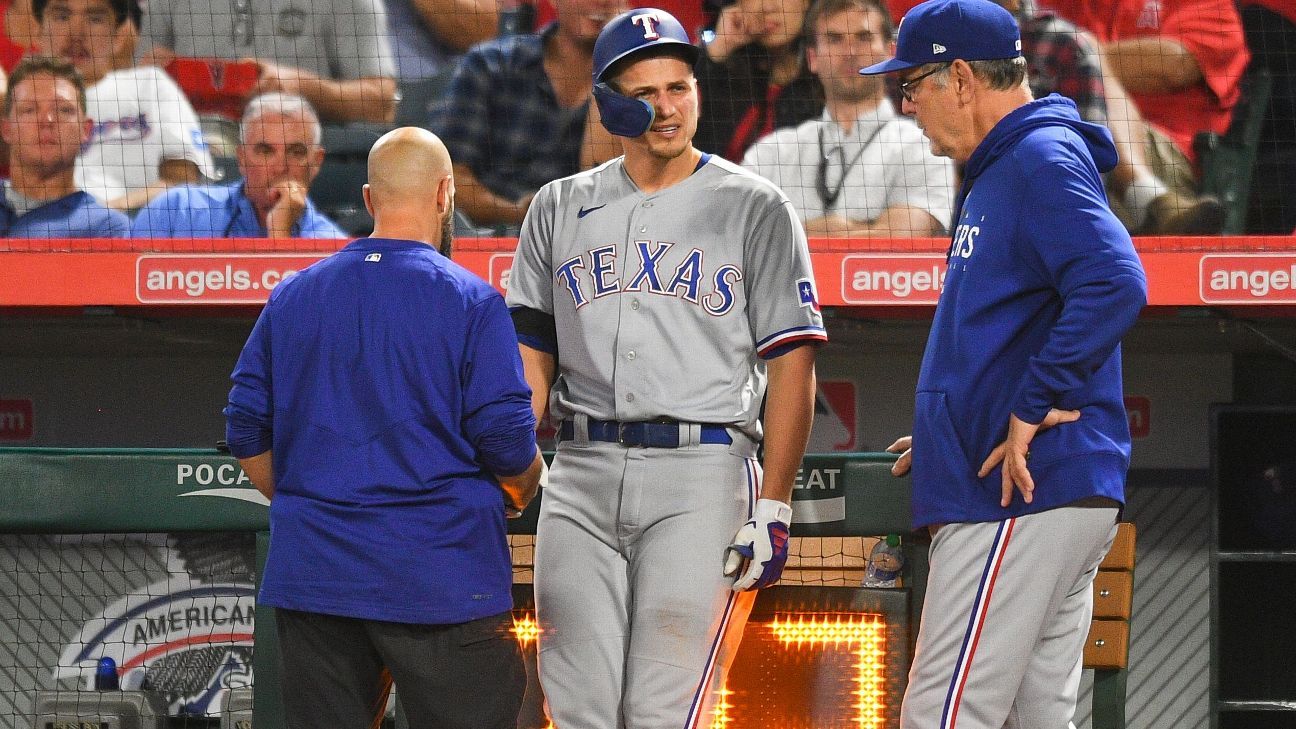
x: 99, y: 709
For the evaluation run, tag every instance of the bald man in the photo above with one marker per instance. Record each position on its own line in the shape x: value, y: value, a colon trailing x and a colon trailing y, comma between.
x: 408, y: 168
x: 380, y: 405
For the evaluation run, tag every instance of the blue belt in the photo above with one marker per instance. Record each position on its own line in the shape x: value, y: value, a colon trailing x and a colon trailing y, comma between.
x: 645, y: 434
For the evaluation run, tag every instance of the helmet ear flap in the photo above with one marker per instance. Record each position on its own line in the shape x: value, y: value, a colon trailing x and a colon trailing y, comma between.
x: 622, y: 115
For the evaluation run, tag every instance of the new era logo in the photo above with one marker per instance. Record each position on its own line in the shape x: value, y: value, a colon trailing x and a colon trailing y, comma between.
x: 938, y: 49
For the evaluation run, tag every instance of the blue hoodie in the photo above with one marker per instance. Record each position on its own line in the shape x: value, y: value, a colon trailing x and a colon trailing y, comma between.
x: 1042, y: 282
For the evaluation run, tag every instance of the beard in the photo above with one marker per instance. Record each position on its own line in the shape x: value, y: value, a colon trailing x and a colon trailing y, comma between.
x: 446, y: 246
x: 854, y: 89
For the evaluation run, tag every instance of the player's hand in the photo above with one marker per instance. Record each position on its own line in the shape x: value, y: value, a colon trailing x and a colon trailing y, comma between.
x: 903, y: 446
x: 289, y: 203
x: 520, y: 490
x: 1014, y: 452
x: 760, y: 548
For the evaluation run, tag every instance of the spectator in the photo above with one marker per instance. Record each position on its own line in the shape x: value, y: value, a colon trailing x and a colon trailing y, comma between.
x: 279, y: 155
x: 515, y: 113
x: 752, y: 76
x: 429, y: 36
x: 19, y: 32
x: 146, y: 136
x: 390, y: 454
x: 1180, y: 62
x: 861, y: 170
x: 1065, y: 60
x: 1271, y: 36
x: 45, y: 124
x: 335, y: 54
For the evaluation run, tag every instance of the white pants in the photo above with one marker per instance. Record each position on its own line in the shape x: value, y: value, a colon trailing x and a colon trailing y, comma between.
x: 1004, y: 621
x: 638, y: 622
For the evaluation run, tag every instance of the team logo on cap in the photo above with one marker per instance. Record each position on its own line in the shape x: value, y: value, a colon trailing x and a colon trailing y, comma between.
x: 649, y: 23
x: 938, y: 49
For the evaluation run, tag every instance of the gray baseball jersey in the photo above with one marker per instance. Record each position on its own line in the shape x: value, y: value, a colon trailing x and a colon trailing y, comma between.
x: 663, y: 303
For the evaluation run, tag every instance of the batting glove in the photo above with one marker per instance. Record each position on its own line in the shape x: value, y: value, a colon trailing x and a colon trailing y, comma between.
x: 761, y: 544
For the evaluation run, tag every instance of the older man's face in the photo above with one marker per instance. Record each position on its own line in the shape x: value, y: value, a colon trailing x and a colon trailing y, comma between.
x: 277, y: 148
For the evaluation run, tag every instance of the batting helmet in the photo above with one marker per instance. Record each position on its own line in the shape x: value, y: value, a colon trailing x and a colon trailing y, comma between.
x: 629, y: 34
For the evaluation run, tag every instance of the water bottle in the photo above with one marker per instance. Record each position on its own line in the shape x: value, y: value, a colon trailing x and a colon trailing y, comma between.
x: 105, y: 676
x: 884, y: 563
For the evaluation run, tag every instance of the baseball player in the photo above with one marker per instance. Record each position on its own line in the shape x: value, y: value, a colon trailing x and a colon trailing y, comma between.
x: 1020, y: 443
x: 660, y: 299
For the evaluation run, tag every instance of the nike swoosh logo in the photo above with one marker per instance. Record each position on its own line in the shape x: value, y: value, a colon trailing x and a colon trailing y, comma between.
x: 586, y: 211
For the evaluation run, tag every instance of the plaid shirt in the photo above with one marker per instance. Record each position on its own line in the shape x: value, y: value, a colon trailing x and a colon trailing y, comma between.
x: 501, y: 117
x: 1062, y: 61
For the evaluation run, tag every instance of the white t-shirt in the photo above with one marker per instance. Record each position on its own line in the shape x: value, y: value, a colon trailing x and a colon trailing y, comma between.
x: 141, y: 117
x: 887, y: 162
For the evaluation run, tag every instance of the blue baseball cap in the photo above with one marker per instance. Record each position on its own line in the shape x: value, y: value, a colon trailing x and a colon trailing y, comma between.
x: 938, y: 31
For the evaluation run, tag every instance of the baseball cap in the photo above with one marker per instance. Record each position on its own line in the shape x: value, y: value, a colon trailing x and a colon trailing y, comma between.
x: 639, y: 30
x: 942, y: 30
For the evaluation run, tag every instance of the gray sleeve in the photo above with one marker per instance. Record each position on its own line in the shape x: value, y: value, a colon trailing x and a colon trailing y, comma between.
x: 782, y: 305
x: 530, y: 281
x: 158, y: 31
x: 361, y: 48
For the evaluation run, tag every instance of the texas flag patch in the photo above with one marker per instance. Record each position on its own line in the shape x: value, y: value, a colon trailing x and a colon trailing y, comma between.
x: 806, y: 293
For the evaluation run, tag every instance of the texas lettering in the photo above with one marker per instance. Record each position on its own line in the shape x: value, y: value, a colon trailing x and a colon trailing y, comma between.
x: 596, y: 273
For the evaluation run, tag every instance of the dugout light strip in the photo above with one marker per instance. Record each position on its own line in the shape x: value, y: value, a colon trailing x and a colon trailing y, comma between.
x: 865, y: 632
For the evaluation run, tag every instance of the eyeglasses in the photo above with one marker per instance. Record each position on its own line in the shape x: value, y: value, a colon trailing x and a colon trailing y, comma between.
x: 908, y: 88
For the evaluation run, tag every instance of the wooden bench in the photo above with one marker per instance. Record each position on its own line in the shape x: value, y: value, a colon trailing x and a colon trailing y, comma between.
x: 1107, y: 648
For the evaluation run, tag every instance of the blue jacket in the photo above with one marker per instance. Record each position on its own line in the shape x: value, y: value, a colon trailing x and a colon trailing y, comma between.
x: 72, y: 216
x: 388, y: 383
x: 1042, y: 282
x: 218, y: 211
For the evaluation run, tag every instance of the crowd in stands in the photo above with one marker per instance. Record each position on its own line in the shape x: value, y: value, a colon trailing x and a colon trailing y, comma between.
x: 205, y: 120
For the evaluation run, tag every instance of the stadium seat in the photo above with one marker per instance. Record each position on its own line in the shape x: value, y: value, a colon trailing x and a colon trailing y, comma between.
x: 1228, y: 161
x: 337, y: 189
x: 221, y: 134
x: 416, y: 97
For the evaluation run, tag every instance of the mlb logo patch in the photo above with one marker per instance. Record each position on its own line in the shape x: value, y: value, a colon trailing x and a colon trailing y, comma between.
x: 806, y: 293
x: 373, y: 258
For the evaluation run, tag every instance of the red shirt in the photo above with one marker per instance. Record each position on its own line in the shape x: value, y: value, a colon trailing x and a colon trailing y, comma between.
x: 10, y: 53
x: 1211, y: 30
